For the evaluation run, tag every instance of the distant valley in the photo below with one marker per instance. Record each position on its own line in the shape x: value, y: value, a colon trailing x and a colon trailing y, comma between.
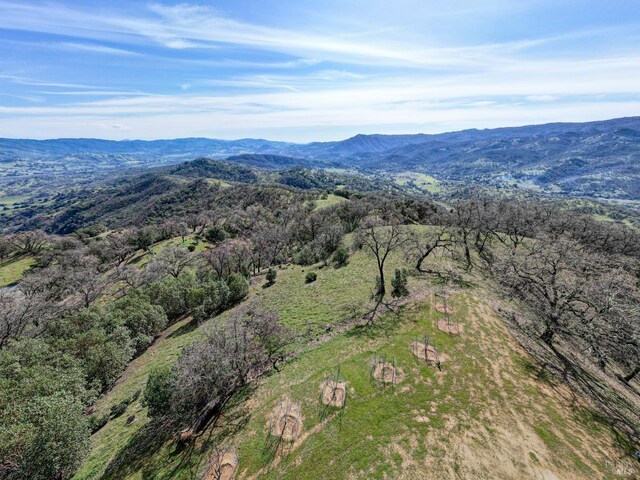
x: 594, y: 159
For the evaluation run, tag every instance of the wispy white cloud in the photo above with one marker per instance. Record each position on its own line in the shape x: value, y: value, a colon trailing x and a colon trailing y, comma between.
x: 43, y: 83
x: 230, y: 76
x: 85, y: 47
x: 541, y: 98
x: 492, y: 98
x: 186, y: 26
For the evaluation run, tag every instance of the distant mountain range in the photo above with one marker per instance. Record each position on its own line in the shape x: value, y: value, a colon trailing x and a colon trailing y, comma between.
x: 598, y: 159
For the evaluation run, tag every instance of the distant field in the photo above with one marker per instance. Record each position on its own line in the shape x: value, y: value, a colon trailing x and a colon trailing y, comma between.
x: 12, y: 271
x: 9, y: 201
x: 330, y: 201
x: 421, y: 181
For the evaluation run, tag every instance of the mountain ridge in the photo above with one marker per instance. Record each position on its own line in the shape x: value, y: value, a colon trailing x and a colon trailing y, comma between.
x: 593, y: 159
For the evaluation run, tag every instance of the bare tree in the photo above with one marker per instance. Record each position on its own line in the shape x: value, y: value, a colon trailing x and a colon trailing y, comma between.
x: 173, y: 260
x: 209, y: 373
x: 423, y: 244
x: 380, y: 240
x: 122, y: 246
x: 29, y: 242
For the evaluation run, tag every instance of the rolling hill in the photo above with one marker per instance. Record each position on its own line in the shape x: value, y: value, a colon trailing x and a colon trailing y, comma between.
x: 490, y: 412
x: 593, y: 159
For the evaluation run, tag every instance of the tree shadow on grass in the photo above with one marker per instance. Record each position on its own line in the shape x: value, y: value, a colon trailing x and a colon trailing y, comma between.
x: 184, y: 329
x: 385, y: 323
x: 184, y: 459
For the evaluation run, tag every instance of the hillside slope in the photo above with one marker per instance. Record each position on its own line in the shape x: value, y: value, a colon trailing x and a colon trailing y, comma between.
x: 487, y: 414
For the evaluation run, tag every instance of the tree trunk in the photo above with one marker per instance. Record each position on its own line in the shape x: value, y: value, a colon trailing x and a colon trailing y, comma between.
x: 381, y: 290
x: 422, y: 258
x: 419, y: 263
x: 632, y: 375
x: 547, y: 335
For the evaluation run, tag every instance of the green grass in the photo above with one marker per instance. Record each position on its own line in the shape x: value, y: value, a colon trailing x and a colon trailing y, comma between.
x: 330, y: 201
x: 420, y: 181
x: 10, y: 200
x: 142, y: 258
x: 12, y: 271
x: 485, y: 386
x: 337, y: 294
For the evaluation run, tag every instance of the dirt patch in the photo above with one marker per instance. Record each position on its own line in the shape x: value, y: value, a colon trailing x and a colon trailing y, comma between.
x: 428, y: 354
x: 222, y: 465
x: 286, y: 421
x: 333, y: 393
x: 450, y: 327
x: 442, y: 308
x: 387, y: 373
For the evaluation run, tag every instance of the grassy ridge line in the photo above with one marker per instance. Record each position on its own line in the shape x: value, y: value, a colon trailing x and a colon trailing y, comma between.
x: 431, y: 420
x: 486, y: 415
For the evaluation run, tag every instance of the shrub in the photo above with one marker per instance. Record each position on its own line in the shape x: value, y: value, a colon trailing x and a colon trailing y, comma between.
x: 143, y: 319
x: 119, y: 408
x: 215, y: 234
x: 43, y: 431
x: 399, y: 283
x: 105, y: 355
x: 271, y: 276
x: 157, y: 393
x: 340, y: 256
x: 57, y: 439
x: 238, y: 288
x: 304, y: 256
x: 97, y: 421
x: 311, y: 277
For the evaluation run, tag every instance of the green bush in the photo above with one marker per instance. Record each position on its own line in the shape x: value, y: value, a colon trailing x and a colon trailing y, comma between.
x: 119, y: 408
x: 143, y: 319
x: 271, y: 276
x: 399, y: 283
x: 43, y: 431
x: 215, y: 234
x: 310, y: 277
x: 97, y: 421
x: 304, y: 256
x: 238, y: 288
x: 157, y: 393
x: 340, y: 256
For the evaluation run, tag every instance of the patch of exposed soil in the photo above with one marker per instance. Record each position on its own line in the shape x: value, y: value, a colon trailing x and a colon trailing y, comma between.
x: 222, y: 465
x: 453, y: 328
x: 387, y: 373
x: 286, y: 421
x: 333, y: 393
x: 440, y: 307
x: 428, y: 354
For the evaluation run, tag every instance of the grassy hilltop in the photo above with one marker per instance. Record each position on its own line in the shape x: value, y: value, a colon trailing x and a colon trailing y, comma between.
x: 489, y: 413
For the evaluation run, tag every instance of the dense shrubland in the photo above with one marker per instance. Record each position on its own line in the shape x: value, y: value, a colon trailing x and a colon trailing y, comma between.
x: 97, y: 298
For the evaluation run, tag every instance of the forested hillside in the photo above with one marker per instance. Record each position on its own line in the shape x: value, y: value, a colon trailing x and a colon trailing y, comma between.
x: 212, y: 320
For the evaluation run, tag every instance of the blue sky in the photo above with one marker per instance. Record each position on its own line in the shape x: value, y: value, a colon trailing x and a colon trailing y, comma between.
x: 314, y: 69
